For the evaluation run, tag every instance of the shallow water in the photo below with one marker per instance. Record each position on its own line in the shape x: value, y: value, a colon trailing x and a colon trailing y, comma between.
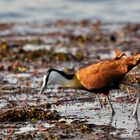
x: 105, y: 10
x: 91, y: 112
x: 35, y: 47
x: 73, y: 106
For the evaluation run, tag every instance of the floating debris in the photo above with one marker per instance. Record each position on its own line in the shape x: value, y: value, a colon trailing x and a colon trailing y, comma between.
x: 30, y: 113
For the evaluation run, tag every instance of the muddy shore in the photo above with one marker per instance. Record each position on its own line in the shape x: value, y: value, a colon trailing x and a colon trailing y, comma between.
x: 28, y: 50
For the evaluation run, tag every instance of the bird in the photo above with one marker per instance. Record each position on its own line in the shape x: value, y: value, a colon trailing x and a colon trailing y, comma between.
x: 100, y: 77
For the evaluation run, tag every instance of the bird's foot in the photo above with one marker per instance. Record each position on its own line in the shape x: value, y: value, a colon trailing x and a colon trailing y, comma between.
x: 101, y: 105
x: 111, y: 120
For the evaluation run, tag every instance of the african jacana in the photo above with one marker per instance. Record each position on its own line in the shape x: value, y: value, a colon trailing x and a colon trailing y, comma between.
x: 98, y: 78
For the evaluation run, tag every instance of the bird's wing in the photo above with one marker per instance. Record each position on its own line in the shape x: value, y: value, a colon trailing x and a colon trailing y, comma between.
x: 101, y: 74
x: 119, y: 54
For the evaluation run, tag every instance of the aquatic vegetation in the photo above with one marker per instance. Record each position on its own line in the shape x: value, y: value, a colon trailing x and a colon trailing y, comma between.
x: 59, y: 113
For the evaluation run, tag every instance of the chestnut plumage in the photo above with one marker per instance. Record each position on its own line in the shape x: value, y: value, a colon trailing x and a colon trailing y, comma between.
x: 100, y: 77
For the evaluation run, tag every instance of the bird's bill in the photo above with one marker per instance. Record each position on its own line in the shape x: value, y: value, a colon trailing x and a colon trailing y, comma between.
x: 43, y: 84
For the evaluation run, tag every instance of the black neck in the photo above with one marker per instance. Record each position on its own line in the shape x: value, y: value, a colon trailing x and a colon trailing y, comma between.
x: 64, y: 74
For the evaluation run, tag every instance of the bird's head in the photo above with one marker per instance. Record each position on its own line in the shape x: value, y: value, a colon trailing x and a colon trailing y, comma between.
x: 57, y: 77
x: 47, y: 78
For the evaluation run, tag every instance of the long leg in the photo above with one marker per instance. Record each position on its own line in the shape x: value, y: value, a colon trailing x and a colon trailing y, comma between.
x: 136, y: 106
x: 99, y: 100
x: 111, y: 107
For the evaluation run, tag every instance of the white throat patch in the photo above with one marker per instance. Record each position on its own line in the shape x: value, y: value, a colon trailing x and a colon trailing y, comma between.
x: 56, y: 78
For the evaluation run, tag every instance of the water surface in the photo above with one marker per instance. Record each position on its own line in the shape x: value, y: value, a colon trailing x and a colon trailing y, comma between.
x: 105, y: 10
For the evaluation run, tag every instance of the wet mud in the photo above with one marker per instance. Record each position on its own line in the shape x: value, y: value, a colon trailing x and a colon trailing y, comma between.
x: 28, y: 50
